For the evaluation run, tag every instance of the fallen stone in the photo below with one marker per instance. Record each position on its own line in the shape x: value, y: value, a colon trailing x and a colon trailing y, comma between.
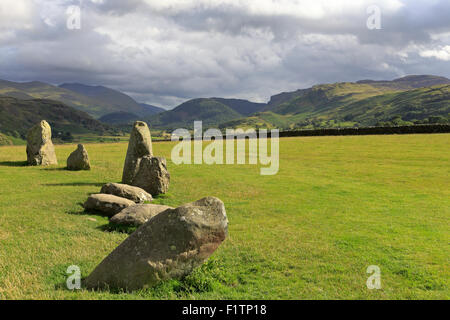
x: 135, y: 194
x: 107, y: 204
x: 170, y: 245
x: 138, y: 215
x: 40, y: 149
x: 140, y: 145
x: 152, y: 175
x: 79, y: 159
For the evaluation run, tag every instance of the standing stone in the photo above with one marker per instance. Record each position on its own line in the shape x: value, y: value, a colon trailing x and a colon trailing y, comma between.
x: 40, y: 149
x: 79, y: 159
x: 152, y: 175
x: 136, y: 194
x: 139, y: 214
x: 140, y: 145
x: 170, y: 245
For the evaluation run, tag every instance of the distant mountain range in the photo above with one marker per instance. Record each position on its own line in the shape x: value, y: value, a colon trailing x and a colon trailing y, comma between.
x: 94, y: 100
x: 408, y: 100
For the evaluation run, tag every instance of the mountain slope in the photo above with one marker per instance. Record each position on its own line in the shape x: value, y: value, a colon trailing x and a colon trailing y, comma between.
x: 119, y: 118
x: 95, y: 100
x: 152, y: 109
x: 41, y: 90
x: 117, y: 100
x: 210, y: 111
x: 243, y: 107
x: 370, y: 87
x: 320, y: 108
x: 17, y: 116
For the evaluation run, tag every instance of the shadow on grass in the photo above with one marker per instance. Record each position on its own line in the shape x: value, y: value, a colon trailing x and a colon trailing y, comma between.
x: 84, y: 212
x: 13, y: 164
x: 54, y: 169
x: 113, y: 227
x: 76, y: 184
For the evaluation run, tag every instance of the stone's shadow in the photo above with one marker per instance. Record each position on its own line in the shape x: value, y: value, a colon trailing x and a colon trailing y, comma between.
x: 113, y: 227
x: 54, y: 169
x: 13, y: 163
x: 84, y: 212
x: 76, y: 184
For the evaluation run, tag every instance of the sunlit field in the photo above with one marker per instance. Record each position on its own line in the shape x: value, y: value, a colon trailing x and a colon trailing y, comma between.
x: 336, y: 206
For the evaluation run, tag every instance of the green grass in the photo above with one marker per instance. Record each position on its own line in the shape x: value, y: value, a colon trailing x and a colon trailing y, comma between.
x: 337, y: 205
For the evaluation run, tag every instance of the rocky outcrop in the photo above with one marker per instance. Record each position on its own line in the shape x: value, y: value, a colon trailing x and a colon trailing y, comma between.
x: 135, y: 194
x: 138, y: 215
x: 140, y: 145
x: 106, y: 203
x: 40, y: 149
x: 79, y: 159
x: 170, y: 245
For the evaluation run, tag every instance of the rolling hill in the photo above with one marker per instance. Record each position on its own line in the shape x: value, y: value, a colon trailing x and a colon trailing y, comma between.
x: 119, y: 118
x: 342, y: 105
x: 151, y: 109
x: 94, y: 100
x: 113, y: 98
x: 362, y: 103
x: 367, y: 86
x: 211, y: 111
x: 17, y: 116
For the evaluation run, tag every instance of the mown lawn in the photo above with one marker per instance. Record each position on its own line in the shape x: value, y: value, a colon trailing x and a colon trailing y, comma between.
x: 337, y: 205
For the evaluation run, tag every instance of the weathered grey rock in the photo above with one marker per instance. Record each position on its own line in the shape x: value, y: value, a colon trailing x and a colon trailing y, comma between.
x: 136, y: 194
x: 170, y: 245
x: 138, y: 215
x: 79, y: 159
x: 140, y: 145
x: 40, y: 149
x: 152, y: 175
x: 106, y: 203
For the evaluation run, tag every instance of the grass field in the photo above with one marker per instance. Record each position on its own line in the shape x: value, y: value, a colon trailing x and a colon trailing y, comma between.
x: 337, y: 205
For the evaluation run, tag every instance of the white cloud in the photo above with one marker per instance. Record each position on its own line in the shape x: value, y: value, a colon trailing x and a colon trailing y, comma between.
x: 442, y: 53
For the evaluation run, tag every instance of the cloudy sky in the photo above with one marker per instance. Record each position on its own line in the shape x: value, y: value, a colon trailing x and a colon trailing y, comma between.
x: 164, y: 52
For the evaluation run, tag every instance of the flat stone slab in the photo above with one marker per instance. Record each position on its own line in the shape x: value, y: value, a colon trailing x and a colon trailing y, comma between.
x: 135, y: 194
x: 139, y: 214
x: 108, y: 204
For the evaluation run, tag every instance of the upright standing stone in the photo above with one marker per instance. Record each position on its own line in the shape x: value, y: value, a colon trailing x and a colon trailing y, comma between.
x: 140, y: 145
x: 79, y: 159
x: 40, y: 149
x: 152, y: 175
x: 169, y: 245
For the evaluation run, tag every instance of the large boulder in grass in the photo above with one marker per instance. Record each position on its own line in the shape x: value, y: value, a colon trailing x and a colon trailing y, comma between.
x: 40, y: 149
x: 79, y: 159
x: 138, y: 215
x: 170, y: 245
x: 140, y: 145
x: 152, y: 175
x: 106, y: 203
x: 135, y: 194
